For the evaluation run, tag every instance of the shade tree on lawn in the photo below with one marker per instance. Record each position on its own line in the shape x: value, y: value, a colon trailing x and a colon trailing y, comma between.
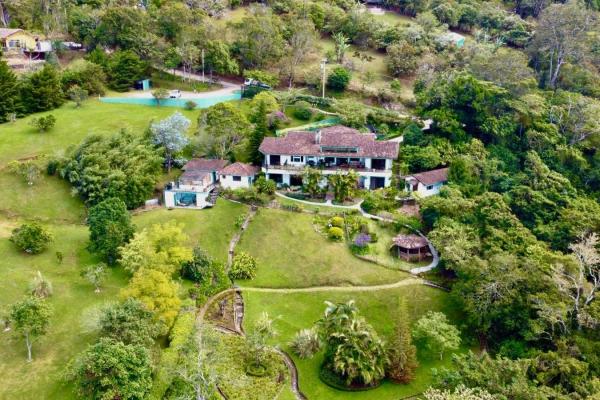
x: 111, y: 369
x: 129, y: 322
x: 170, y: 135
x: 9, y: 93
x: 31, y: 237
x: 110, y: 228
x: 160, y: 247
x: 123, y: 166
x: 243, y: 267
x: 159, y: 294
x: 435, y: 333
x: 30, y: 318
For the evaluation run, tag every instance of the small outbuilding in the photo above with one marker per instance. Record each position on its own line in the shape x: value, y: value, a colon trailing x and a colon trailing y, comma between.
x: 195, y: 188
x: 410, y: 247
x: 451, y: 38
x: 238, y: 175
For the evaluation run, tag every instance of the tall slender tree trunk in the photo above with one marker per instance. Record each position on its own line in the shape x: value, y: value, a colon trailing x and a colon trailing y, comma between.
x: 28, y: 343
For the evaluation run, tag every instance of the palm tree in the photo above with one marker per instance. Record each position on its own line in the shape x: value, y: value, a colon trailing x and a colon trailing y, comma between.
x: 341, y: 46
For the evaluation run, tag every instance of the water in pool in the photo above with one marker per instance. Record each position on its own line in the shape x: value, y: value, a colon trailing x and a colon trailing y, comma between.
x: 200, y: 103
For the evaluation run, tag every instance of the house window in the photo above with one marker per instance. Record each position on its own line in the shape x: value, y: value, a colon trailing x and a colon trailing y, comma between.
x: 297, y: 158
x: 430, y: 187
x: 236, y: 178
x: 223, y: 177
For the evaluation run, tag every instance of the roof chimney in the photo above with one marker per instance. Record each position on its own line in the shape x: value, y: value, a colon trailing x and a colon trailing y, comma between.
x: 318, y: 137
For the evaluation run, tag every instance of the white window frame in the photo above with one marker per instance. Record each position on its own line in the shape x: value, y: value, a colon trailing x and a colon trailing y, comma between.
x: 297, y: 159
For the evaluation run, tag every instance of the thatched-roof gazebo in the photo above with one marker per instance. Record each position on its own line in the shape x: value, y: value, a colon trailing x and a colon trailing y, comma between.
x: 410, y: 247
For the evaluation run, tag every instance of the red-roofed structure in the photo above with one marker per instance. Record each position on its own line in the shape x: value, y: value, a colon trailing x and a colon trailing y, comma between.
x: 427, y: 183
x: 332, y: 149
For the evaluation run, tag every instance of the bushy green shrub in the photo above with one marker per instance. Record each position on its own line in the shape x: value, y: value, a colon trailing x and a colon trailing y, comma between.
x: 52, y: 167
x: 243, y: 267
x: 306, y: 343
x: 31, y: 237
x: 43, y: 124
x: 337, y: 221
x: 339, y: 79
x: 265, y: 186
x: 335, y: 233
x: 302, y: 110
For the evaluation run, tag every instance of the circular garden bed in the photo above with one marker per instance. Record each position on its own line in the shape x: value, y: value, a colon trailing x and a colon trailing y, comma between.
x: 335, y: 381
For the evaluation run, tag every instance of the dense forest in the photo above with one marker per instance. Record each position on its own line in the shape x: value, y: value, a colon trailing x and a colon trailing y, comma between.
x: 514, y: 114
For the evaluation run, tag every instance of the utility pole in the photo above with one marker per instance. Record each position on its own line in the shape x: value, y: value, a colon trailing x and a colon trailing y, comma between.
x: 323, y: 62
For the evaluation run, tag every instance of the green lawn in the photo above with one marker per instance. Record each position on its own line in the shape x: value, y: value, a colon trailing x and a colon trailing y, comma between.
x: 291, y: 253
x: 19, y: 140
x: 210, y: 228
x: 49, y: 199
x: 293, y: 312
x: 74, y: 304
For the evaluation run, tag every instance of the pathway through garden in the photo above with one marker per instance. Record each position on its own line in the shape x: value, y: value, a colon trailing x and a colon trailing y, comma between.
x: 239, y: 304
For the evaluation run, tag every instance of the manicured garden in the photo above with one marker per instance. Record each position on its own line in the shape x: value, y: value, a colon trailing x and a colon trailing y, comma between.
x: 296, y: 311
x: 291, y: 253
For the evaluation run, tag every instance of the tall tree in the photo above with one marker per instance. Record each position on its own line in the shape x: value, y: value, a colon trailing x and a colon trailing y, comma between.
x: 402, y: 354
x: 110, y: 228
x: 129, y: 322
x: 222, y: 127
x: 111, y: 369
x: 580, y: 282
x: 562, y: 36
x: 259, y: 38
x: 159, y: 294
x: 258, y: 134
x: 42, y: 90
x: 30, y: 318
x: 436, y: 333
x: 9, y: 93
x: 299, y: 45
x: 170, y: 134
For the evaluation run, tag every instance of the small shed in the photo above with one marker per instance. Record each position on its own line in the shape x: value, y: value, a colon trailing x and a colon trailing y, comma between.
x: 238, y: 175
x: 410, y: 247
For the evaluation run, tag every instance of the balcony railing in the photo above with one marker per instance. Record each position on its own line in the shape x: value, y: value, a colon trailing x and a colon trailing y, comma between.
x: 325, y: 167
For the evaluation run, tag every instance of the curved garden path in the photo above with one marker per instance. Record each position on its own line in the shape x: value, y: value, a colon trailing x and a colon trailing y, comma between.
x: 415, y: 271
x: 311, y: 289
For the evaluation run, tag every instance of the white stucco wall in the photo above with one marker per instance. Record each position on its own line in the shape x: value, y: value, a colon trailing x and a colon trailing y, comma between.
x: 228, y: 182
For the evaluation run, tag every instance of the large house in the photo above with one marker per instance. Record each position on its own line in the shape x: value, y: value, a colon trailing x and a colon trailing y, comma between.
x: 195, y: 187
x: 332, y: 149
x: 426, y: 183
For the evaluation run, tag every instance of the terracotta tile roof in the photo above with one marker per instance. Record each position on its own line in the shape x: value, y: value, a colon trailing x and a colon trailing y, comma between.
x: 306, y: 143
x: 409, y: 241
x: 431, y: 177
x: 5, y: 32
x: 204, y: 165
x: 191, y: 176
x: 240, y: 169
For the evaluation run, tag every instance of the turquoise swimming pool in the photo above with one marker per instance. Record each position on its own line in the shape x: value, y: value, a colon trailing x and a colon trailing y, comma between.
x: 200, y: 103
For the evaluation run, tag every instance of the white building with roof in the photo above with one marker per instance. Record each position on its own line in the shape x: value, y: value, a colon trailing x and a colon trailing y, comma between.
x: 332, y: 149
x: 426, y: 183
x: 195, y: 188
x: 238, y: 175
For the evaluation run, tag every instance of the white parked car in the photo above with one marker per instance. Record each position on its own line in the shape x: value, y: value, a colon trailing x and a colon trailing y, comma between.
x: 174, y: 94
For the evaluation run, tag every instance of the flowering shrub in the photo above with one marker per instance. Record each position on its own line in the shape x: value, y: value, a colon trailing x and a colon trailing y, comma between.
x: 362, y: 240
x: 360, y: 245
x: 335, y: 233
